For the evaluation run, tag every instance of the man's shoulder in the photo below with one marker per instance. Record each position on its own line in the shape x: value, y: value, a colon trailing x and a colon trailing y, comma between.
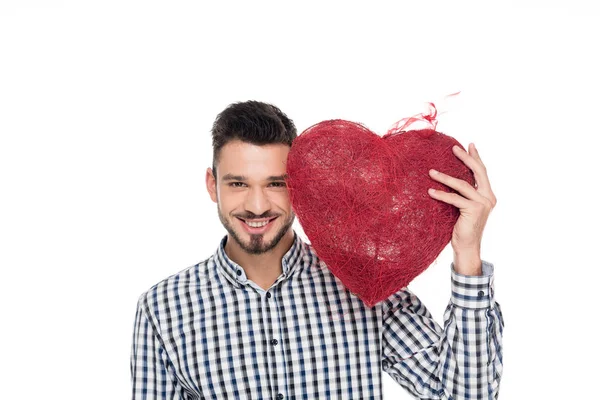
x: 176, y: 285
x: 309, y: 254
x: 317, y: 267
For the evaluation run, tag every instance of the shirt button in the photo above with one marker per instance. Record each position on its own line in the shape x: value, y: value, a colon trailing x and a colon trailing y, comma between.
x: 269, y: 295
x: 274, y: 341
x: 239, y: 272
x: 279, y: 396
x: 480, y: 294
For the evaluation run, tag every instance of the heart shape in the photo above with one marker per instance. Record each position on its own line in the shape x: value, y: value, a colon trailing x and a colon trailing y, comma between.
x: 362, y: 201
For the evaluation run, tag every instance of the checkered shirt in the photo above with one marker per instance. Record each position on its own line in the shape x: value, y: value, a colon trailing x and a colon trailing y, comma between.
x: 208, y: 332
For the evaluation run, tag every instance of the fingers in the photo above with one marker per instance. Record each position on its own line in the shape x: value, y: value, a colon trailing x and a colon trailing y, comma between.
x: 461, y: 186
x: 450, y: 198
x: 473, y: 160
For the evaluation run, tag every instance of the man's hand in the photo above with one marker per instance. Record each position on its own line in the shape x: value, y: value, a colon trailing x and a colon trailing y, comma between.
x: 475, y: 205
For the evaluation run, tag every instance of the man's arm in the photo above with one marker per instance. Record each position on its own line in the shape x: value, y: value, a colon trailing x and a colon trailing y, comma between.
x: 461, y: 361
x: 152, y: 374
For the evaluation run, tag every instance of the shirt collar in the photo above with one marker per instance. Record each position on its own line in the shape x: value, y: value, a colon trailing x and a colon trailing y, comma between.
x: 236, y: 274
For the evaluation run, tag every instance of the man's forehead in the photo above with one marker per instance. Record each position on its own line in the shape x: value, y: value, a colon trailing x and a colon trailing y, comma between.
x: 239, y: 146
x: 249, y: 161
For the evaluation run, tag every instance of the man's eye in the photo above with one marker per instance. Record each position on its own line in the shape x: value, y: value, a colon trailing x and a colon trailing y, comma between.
x: 237, y: 184
x: 278, y: 184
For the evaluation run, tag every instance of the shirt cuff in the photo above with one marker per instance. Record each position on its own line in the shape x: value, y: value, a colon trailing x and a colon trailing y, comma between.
x: 473, y: 291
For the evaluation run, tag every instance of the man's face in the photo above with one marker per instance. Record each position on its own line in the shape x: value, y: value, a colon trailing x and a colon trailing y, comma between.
x: 251, y: 195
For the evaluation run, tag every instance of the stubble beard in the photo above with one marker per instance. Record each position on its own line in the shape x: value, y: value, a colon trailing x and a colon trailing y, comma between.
x: 257, y: 244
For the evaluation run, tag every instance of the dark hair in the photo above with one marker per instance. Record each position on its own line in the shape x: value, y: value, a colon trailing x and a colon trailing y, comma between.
x: 251, y: 122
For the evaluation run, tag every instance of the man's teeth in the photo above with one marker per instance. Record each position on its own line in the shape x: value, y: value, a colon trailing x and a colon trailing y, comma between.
x: 257, y: 224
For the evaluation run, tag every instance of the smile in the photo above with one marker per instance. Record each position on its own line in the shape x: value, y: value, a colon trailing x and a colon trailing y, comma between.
x: 257, y: 224
x: 254, y: 226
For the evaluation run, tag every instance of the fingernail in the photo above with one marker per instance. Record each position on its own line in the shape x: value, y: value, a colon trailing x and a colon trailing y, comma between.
x: 433, y: 171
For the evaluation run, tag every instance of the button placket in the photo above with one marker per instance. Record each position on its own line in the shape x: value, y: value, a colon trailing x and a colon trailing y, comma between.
x: 272, y: 324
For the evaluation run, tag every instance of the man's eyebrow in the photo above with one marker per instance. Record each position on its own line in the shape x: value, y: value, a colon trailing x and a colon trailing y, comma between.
x: 242, y: 178
x: 277, y: 178
x: 231, y: 177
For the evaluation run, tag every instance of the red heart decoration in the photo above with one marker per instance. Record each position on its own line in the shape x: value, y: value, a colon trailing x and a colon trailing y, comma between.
x: 362, y: 201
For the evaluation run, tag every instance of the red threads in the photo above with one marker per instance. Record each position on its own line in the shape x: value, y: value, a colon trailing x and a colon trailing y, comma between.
x: 362, y: 200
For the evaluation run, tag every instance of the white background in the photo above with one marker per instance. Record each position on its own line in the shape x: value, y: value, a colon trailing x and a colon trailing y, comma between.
x: 105, y: 112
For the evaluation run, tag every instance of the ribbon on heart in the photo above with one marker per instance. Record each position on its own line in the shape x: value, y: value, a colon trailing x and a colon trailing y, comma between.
x: 362, y: 200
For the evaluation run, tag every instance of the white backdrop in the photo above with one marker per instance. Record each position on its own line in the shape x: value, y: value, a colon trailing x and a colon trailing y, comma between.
x: 105, y: 112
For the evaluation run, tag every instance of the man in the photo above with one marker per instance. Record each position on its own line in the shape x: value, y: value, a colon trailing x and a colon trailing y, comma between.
x: 263, y: 318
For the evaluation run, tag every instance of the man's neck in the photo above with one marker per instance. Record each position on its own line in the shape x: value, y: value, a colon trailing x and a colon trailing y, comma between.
x: 265, y: 268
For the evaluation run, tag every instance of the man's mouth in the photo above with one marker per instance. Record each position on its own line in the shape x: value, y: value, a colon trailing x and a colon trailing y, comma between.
x: 256, y: 224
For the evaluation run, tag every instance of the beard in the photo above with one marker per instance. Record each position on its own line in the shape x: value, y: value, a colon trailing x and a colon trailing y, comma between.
x: 257, y: 243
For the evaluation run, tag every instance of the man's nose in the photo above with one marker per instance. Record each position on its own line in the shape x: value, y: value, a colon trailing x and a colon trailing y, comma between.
x: 257, y: 201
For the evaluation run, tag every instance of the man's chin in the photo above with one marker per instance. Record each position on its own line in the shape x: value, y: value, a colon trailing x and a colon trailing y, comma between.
x: 259, y: 243
x: 251, y: 247
x: 256, y: 243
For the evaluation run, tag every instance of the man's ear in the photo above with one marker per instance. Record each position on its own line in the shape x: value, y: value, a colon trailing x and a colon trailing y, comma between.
x: 211, y: 184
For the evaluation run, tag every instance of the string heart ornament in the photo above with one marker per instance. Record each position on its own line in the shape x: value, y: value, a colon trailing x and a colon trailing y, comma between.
x: 362, y: 200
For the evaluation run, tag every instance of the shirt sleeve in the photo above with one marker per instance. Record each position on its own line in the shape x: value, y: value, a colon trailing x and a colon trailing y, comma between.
x: 152, y: 374
x: 462, y: 360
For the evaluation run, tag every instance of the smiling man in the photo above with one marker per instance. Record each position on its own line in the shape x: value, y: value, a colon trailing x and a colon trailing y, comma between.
x: 263, y: 317
x: 253, y: 206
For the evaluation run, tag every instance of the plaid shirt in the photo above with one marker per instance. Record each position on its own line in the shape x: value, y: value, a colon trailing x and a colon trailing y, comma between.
x: 208, y: 332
